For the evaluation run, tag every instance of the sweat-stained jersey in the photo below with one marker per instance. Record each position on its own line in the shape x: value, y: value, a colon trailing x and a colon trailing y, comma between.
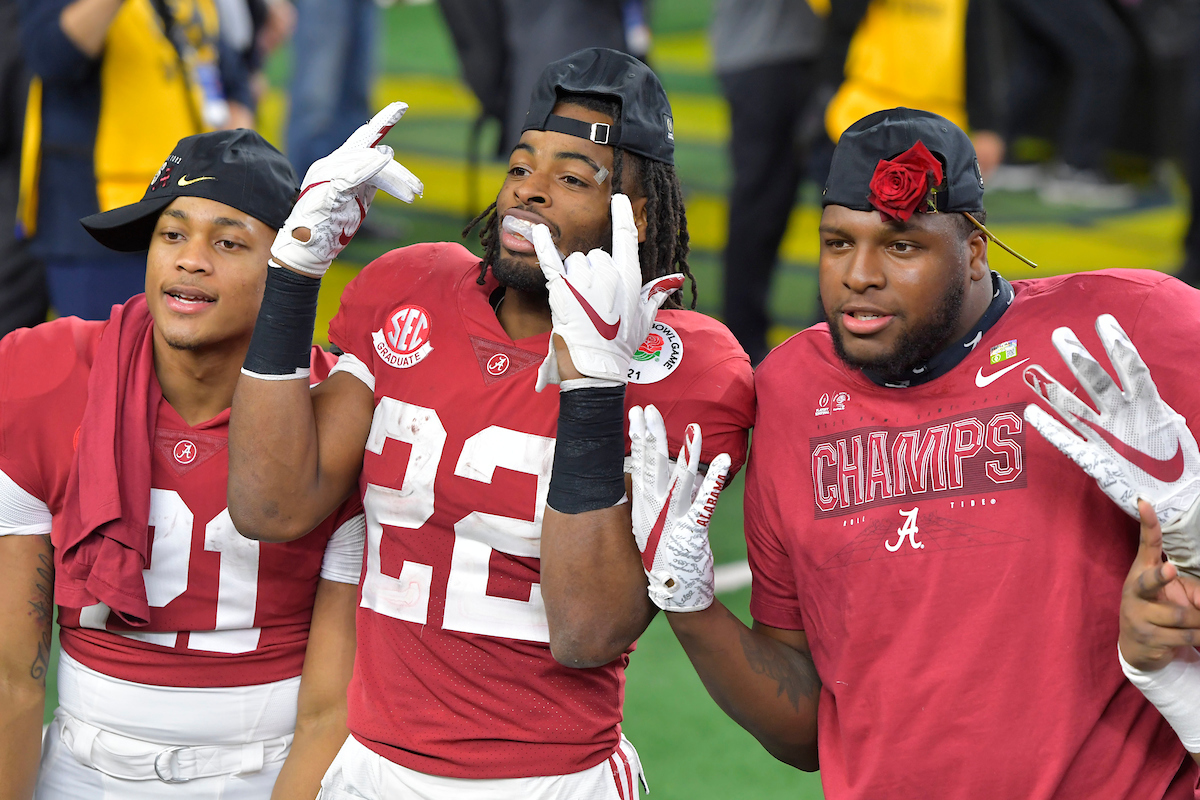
x: 453, y: 674
x: 957, y: 577
x: 225, y: 610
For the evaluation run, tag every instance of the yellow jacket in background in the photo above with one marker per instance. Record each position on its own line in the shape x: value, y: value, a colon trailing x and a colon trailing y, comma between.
x: 904, y: 53
x: 150, y: 96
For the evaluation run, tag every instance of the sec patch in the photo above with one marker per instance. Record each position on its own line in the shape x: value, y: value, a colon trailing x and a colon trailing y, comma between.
x: 658, y: 356
x: 404, y: 339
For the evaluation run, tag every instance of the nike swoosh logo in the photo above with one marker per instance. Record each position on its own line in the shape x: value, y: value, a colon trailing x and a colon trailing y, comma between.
x: 382, y: 133
x: 656, y: 531
x: 362, y: 212
x: 606, y: 329
x: 1167, y: 471
x: 311, y: 185
x: 183, y: 180
x: 982, y: 380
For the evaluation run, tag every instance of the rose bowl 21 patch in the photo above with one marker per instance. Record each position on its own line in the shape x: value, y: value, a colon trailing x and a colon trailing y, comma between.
x: 658, y: 356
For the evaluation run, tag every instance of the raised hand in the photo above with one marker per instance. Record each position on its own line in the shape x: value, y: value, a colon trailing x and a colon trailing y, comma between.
x: 1133, y: 444
x: 337, y: 192
x: 597, y: 301
x: 1159, y: 614
x: 670, y: 515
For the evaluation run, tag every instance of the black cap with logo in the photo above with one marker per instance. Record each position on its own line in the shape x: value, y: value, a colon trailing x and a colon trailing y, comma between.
x: 238, y: 168
x: 886, y: 134
x: 646, y: 126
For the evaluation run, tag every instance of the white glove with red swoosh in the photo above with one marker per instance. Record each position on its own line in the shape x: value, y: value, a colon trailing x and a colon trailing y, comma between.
x: 670, y: 517
x: 338, y: 190
x: 1137, y: 446
x: 598, y: 304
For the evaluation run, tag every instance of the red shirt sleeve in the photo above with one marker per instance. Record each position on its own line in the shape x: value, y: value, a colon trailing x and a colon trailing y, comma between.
x: 43, y: 389
x: 713, y: 386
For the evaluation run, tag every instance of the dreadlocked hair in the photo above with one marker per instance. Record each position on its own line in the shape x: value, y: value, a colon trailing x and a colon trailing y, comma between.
x: 666, y: 247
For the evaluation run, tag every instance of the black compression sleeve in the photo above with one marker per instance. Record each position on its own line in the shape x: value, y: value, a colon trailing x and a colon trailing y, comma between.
x: 589, y: 454
x: 283, y: 333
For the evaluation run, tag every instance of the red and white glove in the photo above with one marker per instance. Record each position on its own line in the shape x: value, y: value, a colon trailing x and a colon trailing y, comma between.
x: 598, y: 303
x: 1137, y: 446
x: 671, y: 511
x: 338, y: 190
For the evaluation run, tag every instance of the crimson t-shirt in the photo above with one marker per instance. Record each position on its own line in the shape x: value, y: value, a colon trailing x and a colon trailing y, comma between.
x: 957, y: 577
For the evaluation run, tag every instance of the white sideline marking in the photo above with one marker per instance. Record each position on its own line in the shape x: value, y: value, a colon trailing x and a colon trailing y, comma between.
x: 731, y: 577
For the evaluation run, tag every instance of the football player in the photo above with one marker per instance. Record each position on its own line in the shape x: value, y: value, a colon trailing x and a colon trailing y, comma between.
x: 934, y: 584
x: 189, y: 653
x: 433, y: 414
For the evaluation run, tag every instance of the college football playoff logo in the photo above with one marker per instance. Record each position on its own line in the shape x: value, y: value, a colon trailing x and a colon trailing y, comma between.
x: 404, y: 339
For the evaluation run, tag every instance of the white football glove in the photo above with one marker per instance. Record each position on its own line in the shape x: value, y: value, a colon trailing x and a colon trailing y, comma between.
x: 588, y: 291
x: 1136, y: 447
x: 670, y: 516
x: 338, y: 190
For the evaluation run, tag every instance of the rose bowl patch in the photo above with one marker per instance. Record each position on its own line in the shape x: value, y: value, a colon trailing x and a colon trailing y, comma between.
x: 658, y: 356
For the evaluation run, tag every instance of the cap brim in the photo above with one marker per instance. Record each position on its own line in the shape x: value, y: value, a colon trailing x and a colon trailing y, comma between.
x: 126, y: 229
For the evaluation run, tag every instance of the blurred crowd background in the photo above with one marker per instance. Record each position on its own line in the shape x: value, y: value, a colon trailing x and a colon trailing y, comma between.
x: 1085, y: 115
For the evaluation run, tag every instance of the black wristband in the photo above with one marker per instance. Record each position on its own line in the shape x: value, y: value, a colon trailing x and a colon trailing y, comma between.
x: 279, y: 348
x: 589, y: 454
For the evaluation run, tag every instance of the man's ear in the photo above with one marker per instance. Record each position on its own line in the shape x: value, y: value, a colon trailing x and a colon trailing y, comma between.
x: 639, y: 216
x: 977, y: 246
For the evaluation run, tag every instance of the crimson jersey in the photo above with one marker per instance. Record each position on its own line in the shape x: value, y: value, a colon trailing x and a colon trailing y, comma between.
x: 453, y: 674
x: 225, y: 610
x: 957, y: 577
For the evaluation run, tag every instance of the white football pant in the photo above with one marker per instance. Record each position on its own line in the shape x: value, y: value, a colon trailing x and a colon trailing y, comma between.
x: 116, y: 740
x: 359, y: 773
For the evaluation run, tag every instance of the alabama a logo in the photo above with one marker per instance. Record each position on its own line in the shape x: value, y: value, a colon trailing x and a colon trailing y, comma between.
x: 404, y: 339
x: 909, y: 529
x: 658, y: 356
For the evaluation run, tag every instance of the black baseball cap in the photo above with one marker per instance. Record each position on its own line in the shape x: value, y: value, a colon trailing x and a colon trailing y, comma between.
x: 645, y: 126
x: 885, y: 135
x: 238, y: 168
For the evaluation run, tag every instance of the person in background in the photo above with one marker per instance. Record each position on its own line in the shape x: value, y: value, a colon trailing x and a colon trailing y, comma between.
x: 119, y: 83
x: 23, y: 300
x: 764, y: 53
x: 867, y: 65
x: 332, y: 74
x: 1089, y: 40
x: 253, y: 29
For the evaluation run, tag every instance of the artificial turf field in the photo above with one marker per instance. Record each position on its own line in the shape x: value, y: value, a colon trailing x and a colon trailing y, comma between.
x: 689, y: 748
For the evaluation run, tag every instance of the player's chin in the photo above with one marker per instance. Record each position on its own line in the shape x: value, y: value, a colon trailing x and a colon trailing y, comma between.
x: 874, y: 351
x: 522, y: 274
x: 178, y: 337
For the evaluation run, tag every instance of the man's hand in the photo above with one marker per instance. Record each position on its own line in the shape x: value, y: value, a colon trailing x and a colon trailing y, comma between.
x: 670, y: 518
x: 337, y: 192
x: 1137, y: 446
x: 598, y: 304
x: 1159, y: 607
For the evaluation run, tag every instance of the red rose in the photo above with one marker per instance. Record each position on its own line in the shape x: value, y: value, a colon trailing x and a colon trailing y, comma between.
x: 899, y: 186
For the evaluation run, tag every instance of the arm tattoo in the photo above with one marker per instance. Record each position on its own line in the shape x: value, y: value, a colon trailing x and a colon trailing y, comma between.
x: 42, y: 610
x: 791, y: 669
